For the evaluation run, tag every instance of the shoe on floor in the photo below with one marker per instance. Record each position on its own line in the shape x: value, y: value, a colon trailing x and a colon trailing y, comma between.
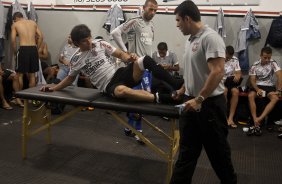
x: 128, y: 132
x: 258, y: 131
x: 280, y: 136
x: 278, y: 123
x: 251, y: 131
x: 139, y: 141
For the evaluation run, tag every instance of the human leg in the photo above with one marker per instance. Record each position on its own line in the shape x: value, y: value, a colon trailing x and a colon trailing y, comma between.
x: 190, y: 147
x: 253, y: 108
x: 16, y: 86
x: 122, y: 91
x: 31, y: 80
x: 214, y: 135
x: 5, y: 104
x: 233, y: 105
x: 148, y: 63
x: 273, y: 100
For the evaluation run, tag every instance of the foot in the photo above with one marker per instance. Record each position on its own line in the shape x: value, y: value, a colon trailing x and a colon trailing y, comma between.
x: 139, y: 141
x: 128, y: 132
x: 280, y: 136
x: 6, y: 106
x: 231, y: 124
x: 258, y: 131
x: 19, y: 102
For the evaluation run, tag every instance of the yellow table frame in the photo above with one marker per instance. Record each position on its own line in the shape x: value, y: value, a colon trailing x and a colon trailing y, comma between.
x: 41, y: 117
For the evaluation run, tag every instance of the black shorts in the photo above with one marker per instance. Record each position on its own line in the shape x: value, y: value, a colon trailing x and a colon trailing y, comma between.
x: 267, y: 89
x: 229, y: 82
x: 123, y: 76
x: 27, y: 59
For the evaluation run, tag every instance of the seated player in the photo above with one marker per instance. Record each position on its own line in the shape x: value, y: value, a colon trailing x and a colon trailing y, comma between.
x: 92, y: 61
x: 232, y: 81
x: 263, y: 85
x: 7, y: 74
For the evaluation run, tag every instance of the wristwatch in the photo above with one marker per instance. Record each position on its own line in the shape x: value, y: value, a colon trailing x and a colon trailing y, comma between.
x: 199, y: 99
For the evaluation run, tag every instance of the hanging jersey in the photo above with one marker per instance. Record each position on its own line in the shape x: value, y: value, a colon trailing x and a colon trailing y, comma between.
x: 231, y: 66
x: 140, y: 35
x: 264, y: 73
x: 95, y: 64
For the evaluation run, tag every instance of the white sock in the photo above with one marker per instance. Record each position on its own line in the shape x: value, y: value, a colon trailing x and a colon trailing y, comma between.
x: 140, y: 63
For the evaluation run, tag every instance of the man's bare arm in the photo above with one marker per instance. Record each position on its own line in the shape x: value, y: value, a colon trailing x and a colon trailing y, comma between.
x: 40, y: 36
x: 216, y: 67
x: 13, y: 38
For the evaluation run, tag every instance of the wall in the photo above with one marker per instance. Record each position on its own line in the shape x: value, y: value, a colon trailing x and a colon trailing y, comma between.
x: 56, y: 24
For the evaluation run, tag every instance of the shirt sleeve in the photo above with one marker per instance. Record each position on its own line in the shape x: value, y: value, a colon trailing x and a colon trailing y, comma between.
x: 109, y: 49
x: 252, y: 71
x: 174, y: 59
x: 214, y: 45
x: 75, y: 65
x: 275, y: 66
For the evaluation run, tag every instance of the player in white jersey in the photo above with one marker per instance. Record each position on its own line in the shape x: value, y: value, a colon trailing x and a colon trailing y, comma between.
x: 263, y: 85
x: 202, y: 122
x: 139, y: 31
x: 92, y: 60
x: 232, y: 79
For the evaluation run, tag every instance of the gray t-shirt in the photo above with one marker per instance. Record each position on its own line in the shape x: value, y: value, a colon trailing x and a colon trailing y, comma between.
x: 140, y: 35
x: 264, y: 73
x: 95, y: 64
x: 198, y: 49
x: 169, y: 59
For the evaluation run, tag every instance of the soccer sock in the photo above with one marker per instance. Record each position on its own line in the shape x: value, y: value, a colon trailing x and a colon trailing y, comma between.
x: 159, y: 72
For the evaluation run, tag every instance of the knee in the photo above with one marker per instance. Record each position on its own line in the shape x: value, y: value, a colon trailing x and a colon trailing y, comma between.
x: 252, y: 95
x: 121, y: 91
x: 274, y: 98
x: 235, y: 92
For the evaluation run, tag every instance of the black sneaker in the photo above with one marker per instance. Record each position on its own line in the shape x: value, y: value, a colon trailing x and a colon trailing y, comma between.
x: 258, y: 131
x: 128, y: 132
x: 251, y: 131
x: 280, y: 136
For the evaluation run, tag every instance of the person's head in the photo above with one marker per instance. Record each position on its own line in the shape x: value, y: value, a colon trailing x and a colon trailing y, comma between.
x: 187, y: 13
x: 162, y: 49
x: 81, y: 37
x: 150, y: 8
x: 265, y: 55
x: 229, y: 53
x: 17, y: 16
x: 99, y: 37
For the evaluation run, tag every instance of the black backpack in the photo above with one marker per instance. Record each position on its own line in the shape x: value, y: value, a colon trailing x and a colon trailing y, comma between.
x: 274, y: 37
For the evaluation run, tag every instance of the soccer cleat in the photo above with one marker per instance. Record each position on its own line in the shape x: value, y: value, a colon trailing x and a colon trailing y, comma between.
x: 128, y: 132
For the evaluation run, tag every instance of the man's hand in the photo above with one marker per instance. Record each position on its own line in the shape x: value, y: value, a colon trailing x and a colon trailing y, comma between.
x: 192, y: 105
x: 132, y: 57
x: 236, y: 79
x: 46, y: 89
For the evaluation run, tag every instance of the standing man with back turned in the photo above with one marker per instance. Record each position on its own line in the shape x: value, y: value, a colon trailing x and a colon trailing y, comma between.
x: 203, y: 120
x: 27, y: 56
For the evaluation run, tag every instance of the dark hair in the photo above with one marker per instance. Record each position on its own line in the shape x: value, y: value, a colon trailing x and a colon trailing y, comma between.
x: 230, y: 50
x: 79, y: 33
x: 99, y: 37
x: 152, y: 1
x: 17, y: 15
x: 162, y: 46
x: 266, y: 50
x: 188, y: 8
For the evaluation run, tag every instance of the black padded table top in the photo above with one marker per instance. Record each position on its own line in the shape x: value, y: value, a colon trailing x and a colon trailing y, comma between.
x: 92, y: 97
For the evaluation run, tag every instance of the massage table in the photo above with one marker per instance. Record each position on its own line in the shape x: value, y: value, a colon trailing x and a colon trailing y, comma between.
x: 38, y: 119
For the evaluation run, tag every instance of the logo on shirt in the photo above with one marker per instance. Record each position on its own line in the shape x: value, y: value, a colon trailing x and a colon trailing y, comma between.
x: 195, y: 46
